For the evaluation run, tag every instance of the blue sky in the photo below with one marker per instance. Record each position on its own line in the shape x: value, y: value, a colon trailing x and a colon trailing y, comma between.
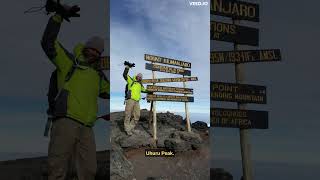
x: 169, y: 28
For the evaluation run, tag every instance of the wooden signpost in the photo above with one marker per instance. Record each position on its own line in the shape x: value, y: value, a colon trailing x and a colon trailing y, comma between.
x: 234, y: 33
x: 242, y: 93
x: 155, y: 97
x: 167, y: 69
x: 235, y: 118
x: 167, y: 80
x: 245, y: 56
x: 167, y: 89
x: 238, y: 92
x: 238, y: 10
x: 169, y: 61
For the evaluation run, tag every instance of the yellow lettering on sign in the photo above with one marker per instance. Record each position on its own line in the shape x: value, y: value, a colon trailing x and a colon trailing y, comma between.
x: 234, y: 8
x: 224, y: 28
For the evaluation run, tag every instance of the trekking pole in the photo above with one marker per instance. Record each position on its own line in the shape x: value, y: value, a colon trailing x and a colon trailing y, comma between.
x: 48, y: 125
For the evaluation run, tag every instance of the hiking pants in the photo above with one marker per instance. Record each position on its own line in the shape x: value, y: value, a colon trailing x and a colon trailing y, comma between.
x: 132, y: 109
x: 72, y: 145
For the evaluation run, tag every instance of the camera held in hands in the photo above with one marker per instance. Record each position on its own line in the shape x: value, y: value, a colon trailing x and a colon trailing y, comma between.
x: 65, y: 11
x: 130, y: 65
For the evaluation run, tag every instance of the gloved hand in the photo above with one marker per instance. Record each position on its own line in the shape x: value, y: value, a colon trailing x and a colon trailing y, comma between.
x: 66, y: 11
x: 130, y: 65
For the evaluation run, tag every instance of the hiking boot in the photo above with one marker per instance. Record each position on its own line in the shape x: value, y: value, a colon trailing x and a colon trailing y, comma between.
x: 129, y: 133
x: 136, y: 131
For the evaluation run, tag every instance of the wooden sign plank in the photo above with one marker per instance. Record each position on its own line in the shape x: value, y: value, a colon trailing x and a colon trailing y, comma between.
x: 235, y: 118
x: 234, y: 33
x: 105, y: 63
x: 167, y: 69
x: 242, y: 93
x: 156, y: 97
x: 246, y: 56
x: 237, y: 10
x: 167, y: 80
x: 169, y: 89
x: 169, y: 61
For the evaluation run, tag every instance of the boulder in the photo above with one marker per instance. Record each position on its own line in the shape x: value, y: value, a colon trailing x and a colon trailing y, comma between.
x: 200, y: 126
x: 183, y: 141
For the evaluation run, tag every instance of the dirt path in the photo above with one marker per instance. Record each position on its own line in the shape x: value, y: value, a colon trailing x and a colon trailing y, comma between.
x: 192, y: 165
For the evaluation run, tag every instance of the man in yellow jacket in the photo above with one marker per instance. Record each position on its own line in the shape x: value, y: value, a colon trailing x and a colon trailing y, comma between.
x: 133, y: 96
x: 80, y: 83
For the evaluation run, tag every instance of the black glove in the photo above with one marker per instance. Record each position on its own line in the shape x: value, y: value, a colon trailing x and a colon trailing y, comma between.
x: 130, y: 65
x: 65, y: 11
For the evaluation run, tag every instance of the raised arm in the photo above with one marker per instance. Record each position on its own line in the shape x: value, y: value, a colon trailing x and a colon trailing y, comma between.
x: 50, y: 36
x: 58, y: 55
x: 125, y: 73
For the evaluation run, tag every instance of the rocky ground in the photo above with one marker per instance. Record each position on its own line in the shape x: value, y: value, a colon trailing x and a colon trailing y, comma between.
x: 128, y: 159
x: 36, y: 168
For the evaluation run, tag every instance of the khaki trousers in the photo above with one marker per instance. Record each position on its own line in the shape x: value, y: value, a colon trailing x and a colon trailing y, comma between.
x: 132, y: 110
x: 71, y: 144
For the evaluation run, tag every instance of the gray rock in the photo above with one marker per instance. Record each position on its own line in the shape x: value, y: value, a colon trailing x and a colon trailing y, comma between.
x: 171, y: 132
x: 183, y: 141
x: 120, y: 167
x: 200, y: 126
x: 177, y: 145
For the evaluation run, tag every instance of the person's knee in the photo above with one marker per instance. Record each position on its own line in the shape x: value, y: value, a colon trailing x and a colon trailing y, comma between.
x: 57, y: 166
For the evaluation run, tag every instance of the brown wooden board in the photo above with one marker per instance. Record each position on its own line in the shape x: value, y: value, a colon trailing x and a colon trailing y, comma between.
x: 237, y: 10
x: 105, y: 63
x: 167, y: 80
x: 156, y: 97
x: 169, y: 61
x: 234, y: 33
x: 235, y: 118
x: 169, y: 89
x: 246, y: 56
x: 242, y: 93
x: 167, y: 69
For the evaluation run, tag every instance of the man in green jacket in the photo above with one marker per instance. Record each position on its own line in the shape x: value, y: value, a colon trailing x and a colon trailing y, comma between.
x: 79, y: 84
x: 133, y: 96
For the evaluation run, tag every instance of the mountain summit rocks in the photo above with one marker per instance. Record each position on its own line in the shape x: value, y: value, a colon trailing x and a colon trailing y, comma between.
x: 171, y: 130
x: 171, y: 134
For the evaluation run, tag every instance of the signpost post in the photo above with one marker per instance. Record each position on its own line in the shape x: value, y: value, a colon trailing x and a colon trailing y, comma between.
x: 154, y: 115
x: 187, y: 111
x: 244, y: 133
